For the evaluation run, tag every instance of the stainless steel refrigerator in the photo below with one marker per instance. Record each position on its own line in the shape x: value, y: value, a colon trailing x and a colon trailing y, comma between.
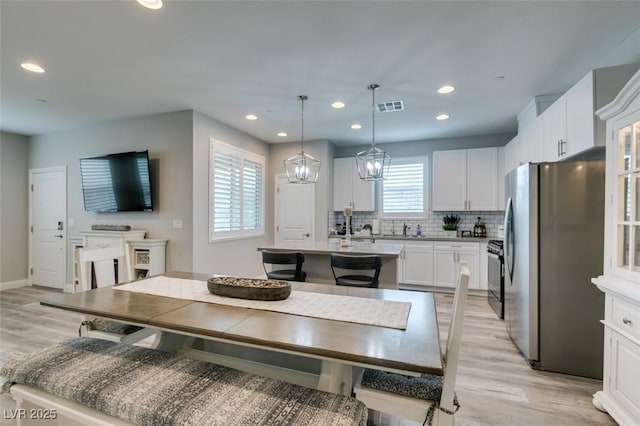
x: 554, y: 238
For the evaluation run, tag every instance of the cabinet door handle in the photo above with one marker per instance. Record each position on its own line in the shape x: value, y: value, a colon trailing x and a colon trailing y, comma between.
x: 564, y: 145
x: 626, y: 321
x: 558, y: 143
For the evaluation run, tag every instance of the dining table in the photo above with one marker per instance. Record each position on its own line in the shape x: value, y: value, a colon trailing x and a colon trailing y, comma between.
x: 309, y: 350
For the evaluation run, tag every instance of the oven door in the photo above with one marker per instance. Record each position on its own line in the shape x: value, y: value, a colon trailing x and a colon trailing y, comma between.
x: 495, y: 271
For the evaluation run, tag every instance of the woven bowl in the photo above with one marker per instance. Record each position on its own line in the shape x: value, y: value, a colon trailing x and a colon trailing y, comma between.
x: 249, y: 288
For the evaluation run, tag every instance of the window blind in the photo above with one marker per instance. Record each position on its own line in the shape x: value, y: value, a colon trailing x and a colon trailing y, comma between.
x: 403, y: 191
x: 236, y: 193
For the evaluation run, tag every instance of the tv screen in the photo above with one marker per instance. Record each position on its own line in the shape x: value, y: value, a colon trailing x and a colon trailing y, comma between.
x: 116, y: 182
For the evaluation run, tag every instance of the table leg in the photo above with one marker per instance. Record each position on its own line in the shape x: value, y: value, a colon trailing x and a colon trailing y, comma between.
x: 335, y: 377
x: 171, y: 342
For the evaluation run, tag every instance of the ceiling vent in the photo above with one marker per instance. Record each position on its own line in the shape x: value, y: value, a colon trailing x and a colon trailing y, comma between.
x: 390, y: 106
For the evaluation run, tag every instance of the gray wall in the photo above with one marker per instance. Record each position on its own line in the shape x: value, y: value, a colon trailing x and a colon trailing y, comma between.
x: 235, y: 257
x: 14, y: 181
x: 178, y: 145
x: 168, y: 138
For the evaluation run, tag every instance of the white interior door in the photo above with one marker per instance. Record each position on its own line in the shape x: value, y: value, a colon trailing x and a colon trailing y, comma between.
x: 294, y: 210
x: 47, y: 210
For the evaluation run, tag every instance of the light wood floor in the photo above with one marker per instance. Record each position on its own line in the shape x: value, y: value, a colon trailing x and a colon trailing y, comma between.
x: 495, y: 385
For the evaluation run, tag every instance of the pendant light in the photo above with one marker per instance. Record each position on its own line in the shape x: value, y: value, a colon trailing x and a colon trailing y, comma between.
x: 373, y: 164
x: 302, y: 168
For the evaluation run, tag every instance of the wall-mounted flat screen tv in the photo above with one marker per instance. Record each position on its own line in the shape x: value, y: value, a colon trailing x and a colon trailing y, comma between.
x: 116, y: 183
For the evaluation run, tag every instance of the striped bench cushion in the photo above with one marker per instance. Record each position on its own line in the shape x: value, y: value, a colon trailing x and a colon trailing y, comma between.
x: 112, y: 326
x: 150, y: 387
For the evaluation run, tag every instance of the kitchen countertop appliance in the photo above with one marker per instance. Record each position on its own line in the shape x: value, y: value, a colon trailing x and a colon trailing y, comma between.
x: 495, y: 279
x: 554, y: 239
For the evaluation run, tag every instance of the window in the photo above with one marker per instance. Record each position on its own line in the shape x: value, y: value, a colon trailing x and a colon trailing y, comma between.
x: 403, y: 192
x: 236, y: 192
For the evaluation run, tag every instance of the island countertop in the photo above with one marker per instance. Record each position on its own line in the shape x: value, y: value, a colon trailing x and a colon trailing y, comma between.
x: 333, y: 246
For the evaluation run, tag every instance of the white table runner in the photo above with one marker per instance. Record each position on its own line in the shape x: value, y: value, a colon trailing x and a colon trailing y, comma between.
x: 383, y: 313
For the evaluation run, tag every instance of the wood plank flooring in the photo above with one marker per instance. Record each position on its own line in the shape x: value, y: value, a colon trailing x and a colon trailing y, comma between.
x: 495, y: 385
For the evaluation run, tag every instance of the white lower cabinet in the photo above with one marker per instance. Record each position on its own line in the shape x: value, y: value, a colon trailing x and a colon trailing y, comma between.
x: 417, y: 263
x: 625, y: 377
x: 435, y: 264
x: 446, y: 263
x: 620, y: 396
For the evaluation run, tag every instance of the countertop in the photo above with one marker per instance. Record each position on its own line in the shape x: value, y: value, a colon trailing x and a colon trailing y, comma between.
x: 333, y: 246
x: 421, y: 238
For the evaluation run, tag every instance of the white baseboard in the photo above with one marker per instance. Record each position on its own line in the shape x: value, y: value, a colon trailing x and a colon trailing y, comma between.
x: 14, y: 284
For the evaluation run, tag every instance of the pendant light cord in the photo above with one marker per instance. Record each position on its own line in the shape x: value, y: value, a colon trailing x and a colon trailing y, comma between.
x: 302, y: 98
x: 373, y: 88
x: 373, y: 117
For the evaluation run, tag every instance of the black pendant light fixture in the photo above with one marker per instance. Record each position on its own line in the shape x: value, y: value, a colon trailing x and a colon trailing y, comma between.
x: 373, y: 164
x: 302, y: 168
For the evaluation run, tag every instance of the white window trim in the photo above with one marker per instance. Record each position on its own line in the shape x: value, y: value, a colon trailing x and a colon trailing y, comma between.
x: 425, y: 187
x: 219, y: 146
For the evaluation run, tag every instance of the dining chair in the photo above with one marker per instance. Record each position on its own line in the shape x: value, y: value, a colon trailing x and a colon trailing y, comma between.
x: 99, y: 268
x: 284, y: 258
x: 368, y: 267
x: 427, y: 399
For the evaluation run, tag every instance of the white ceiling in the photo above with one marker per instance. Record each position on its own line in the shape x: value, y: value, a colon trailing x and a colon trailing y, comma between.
x: 112, y: 59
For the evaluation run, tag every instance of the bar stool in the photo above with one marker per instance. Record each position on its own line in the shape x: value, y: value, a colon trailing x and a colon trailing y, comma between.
x: 346, y: 263
x: 284, y: 258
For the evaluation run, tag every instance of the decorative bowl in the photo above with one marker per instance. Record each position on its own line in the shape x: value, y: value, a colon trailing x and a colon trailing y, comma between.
x: 249, y: 288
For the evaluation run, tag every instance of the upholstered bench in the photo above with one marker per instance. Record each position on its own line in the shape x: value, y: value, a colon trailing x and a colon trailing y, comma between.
x: 150, y: 387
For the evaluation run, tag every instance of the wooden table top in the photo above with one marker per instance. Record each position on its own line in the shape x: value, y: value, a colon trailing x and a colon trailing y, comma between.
x: 414, y: 350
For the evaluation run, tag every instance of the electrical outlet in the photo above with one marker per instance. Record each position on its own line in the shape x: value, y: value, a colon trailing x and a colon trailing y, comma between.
x: 177, y: 223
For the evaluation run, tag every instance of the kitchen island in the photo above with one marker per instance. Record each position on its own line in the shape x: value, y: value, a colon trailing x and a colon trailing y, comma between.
x: 317, y: 258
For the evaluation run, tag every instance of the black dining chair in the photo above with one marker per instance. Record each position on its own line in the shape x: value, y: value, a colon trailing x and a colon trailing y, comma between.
x: 284, y: 258
x: 345, y: 264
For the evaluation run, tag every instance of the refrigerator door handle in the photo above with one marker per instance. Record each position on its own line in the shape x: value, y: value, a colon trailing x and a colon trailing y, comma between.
x: 509, y: 237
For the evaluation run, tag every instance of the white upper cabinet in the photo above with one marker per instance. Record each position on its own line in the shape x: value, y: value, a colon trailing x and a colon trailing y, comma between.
x: 466, y: 179
x: 450, y: 180
x: 554, y: 130
x: 570, y: 125
x: 511, y: 154
x: 348, y: 189
x: 531, y: 147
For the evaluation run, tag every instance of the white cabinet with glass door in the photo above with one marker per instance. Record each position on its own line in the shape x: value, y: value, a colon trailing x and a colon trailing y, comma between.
x: 348, y: 189
x: 620, y: 396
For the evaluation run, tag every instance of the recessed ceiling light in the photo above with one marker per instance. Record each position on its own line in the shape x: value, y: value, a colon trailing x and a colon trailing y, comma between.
x: 151, y: 4
x: 282, y: 134
x: 337, y: 105
x: 442, y: 117
x: 446, y: 89
x: 356, y: 126
x: 251, y: 117
x: 30, y: 66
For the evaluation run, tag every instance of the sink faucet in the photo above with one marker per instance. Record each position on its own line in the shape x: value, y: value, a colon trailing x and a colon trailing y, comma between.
x: 405, y: 227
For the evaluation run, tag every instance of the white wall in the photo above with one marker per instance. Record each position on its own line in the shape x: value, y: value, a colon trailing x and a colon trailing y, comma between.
x: 235, y: 257
x: 323, y: 150
x: 14, y: 224
x: 168, y: 137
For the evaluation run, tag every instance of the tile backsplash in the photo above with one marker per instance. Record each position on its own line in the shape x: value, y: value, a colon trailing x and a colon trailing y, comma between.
x: 430, y: 226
